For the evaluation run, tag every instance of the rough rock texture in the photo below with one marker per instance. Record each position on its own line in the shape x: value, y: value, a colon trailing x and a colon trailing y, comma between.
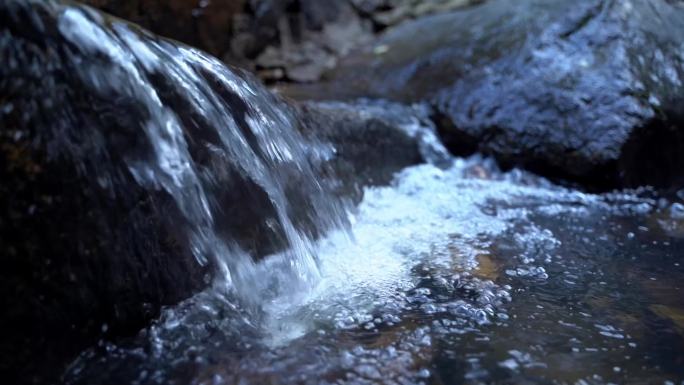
x: 86, y: 250
x: 107, y: 136
x: 591, y: 91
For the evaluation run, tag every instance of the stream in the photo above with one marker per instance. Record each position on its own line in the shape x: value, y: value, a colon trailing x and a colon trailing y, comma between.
x: 172, y: 176
x: 458, y: 275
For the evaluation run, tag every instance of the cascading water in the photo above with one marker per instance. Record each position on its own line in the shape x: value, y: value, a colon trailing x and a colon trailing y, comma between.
x: 451, y: 272
x: 246, y: 130
x: 455, y: 274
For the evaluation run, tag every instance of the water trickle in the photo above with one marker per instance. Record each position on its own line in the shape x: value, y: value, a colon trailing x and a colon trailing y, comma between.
x: 202, y: 121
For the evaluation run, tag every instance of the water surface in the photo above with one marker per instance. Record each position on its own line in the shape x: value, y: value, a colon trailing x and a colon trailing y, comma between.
x: 464, y: 275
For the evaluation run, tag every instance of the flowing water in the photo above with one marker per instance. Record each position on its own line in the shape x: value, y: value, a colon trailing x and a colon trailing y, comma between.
x: 459, y: 274
x: 203, y: 134
x: 462, y: 275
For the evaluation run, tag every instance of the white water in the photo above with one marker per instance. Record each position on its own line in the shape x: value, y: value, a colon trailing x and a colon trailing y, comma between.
x: 414, y: 244
x: 249, y: 131
x: 428, y: 215
x: 408, y: 278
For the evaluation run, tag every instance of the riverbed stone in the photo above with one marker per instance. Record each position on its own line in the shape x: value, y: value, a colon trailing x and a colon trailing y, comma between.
x: 93, y: 240
x: 590, y: 92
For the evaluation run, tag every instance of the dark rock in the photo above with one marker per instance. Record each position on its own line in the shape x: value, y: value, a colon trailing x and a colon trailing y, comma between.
x: 114, y: 145
x: 371, y: 140
x: 88, y: 249
x: 318, y: 13
x: 130, y: 165
x: 590, y: 92
x: 369, y: 7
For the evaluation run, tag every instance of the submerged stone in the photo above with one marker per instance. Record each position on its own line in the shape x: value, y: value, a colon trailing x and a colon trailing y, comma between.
x: 487, y: 267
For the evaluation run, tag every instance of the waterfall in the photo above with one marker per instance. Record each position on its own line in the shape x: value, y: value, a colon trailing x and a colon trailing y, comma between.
x: 204, y: 134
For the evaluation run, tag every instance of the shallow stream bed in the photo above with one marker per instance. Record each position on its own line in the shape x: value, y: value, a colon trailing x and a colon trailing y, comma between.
x: 459, y: 275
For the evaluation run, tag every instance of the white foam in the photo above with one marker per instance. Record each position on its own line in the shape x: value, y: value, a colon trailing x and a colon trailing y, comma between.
x: 427, y: 214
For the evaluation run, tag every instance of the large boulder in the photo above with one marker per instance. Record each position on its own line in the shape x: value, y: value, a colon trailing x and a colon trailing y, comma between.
x: 99, y: 200
x: 589, y: 91
x: 132, y: 167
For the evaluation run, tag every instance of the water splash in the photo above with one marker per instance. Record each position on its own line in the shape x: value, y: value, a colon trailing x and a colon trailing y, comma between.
x: 436, y: 279
x: 183, y: 92
x: 418, y: 282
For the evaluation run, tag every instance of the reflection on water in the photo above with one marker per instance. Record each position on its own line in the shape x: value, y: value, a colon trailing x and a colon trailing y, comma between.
x: 465, y: 275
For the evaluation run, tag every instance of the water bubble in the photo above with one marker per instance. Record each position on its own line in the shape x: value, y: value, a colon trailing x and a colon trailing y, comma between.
x: 677, y: 211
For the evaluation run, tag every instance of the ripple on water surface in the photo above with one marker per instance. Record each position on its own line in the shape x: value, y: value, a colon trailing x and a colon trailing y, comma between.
x: 462, y: 275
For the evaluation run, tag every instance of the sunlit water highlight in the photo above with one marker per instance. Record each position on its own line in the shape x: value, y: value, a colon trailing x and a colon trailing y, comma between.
x: 463, y: 275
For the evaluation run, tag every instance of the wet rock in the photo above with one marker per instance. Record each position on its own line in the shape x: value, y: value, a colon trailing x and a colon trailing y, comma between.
x: 583, y: 92
x: 487, y: 267
x: 132, y: 165
x: 89, y: 248
x: 371, y: 140
x: 97, y: 216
